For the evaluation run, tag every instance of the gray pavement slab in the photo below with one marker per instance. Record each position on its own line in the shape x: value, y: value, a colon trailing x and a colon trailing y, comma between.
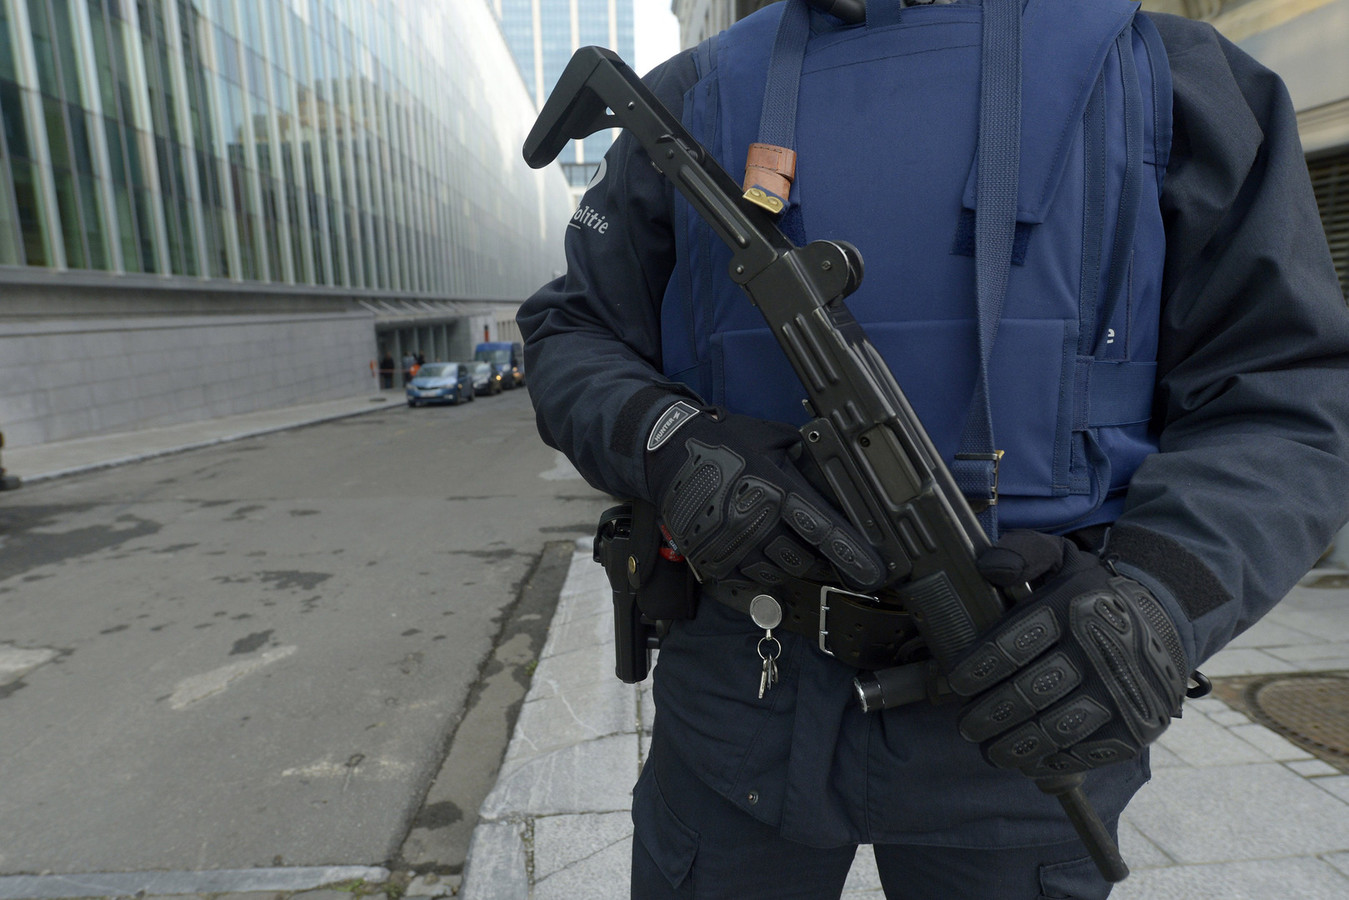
x: 590, y: 777
x: 1302, y: 878
x: 1209, y: 814
x: 41, y: 462
x: 498, y: 859
x: 575, y: 855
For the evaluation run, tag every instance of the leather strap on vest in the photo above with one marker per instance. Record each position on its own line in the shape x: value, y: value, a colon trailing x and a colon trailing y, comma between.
x: 777, y: 118
x: 769, y: 171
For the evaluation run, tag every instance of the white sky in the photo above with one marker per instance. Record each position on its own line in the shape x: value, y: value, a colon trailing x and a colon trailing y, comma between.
x: 656, y: 33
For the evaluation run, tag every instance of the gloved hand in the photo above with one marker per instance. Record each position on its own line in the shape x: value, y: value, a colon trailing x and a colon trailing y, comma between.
x: 733, y: 500
x: 1084, y: 672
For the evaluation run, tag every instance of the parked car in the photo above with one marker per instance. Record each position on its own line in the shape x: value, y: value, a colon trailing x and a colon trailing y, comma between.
x: 507, y: 358
x: 440, y: 382
x: 485, y: 381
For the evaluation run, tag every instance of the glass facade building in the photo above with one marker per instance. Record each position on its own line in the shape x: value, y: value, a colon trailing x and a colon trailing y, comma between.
x: 255, y: 198
x: 543, y: 34
x: 339, y: 143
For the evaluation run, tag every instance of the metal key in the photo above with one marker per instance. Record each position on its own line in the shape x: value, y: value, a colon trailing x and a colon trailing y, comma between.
x: 770, y: 673
x: 767, y: 614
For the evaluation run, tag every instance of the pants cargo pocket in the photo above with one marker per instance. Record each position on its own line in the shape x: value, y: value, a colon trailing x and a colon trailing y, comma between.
x: 1076, y: 879
x: 668, y: 843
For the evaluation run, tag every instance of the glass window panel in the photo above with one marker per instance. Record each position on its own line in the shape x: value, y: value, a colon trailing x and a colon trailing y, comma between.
x: 144, y: 232
x: 216, y: 225
x: 250, y: 16
x: 272, y: 201
x: 116, y: 154
x: 244, y: 214
x: 227, y: 55
x: 134, y: 137
x: 16, y: 129
x: 79, y: 140
x: 7, y: 69
x: 117, y: 41
x: 155, y: 78
x: 11, y: 235
x: 57, y: 140
x: 176, y: 228
x: 68, y: 207
x: 183, y: 209
x: 257, y: 75
x: 353, y: 246
x: 103, y: 61
x: 30, y: 220
x: 214, y: 265
x: 43, y: 52
x: 64, y: 40
x: 126, y: 229
x: 94, y: 239
x: 297, y: 246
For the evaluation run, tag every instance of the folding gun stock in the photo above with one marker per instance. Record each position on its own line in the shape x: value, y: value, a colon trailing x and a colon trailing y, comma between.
x: 573, y: 110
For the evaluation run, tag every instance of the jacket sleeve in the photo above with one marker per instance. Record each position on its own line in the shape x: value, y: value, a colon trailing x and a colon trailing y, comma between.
x: 592, y: 336
x: 1251, y: 480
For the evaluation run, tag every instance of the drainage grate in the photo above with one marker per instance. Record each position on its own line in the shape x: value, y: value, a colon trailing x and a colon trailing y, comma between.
x: 1310, y: 709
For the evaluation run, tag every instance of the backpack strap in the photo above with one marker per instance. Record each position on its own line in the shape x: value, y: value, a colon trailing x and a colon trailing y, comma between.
x: 998, y: 162
x: 771, y: 163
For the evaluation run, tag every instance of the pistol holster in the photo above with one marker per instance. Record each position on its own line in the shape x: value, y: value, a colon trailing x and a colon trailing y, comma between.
x: 650, y: 590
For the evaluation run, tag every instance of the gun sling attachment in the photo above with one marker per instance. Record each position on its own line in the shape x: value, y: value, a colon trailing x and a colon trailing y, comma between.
x: 867, y: 446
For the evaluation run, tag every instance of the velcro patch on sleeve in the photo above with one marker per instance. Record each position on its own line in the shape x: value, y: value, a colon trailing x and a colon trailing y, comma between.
x: 669, y: 422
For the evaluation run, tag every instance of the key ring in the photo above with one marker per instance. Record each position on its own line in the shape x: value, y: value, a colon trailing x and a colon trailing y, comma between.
x: 777, y: 651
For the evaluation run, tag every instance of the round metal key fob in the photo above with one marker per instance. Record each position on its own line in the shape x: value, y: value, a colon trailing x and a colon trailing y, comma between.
x: 766, y: 612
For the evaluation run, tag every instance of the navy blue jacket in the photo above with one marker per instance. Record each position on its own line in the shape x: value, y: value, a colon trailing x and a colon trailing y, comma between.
x: 1250, y: 482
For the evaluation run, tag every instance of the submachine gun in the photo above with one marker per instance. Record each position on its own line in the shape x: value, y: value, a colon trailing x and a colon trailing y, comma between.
x: 869, y: 448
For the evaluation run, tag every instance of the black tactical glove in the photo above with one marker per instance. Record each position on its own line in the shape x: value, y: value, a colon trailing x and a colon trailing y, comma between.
x: 733, y: 500
x: 1084, y: 672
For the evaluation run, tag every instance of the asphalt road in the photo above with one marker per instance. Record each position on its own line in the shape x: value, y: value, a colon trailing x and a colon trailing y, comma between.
x: 262, y: 654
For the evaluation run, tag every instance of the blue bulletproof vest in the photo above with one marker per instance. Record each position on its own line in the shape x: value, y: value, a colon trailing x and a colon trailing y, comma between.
x: 886, y: 133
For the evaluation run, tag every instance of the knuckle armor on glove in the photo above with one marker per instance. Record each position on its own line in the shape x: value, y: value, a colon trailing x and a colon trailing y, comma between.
x: 1087, y: 672
x: 738, y: 504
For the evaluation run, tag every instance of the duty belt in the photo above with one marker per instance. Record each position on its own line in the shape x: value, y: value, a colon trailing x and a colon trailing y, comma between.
x: 857, y: 629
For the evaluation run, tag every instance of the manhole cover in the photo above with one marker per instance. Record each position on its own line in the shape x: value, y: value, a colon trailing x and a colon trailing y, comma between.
x: 1312, y: 709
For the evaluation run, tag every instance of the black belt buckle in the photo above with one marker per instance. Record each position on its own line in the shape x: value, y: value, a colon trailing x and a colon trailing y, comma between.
x: 826, y: 596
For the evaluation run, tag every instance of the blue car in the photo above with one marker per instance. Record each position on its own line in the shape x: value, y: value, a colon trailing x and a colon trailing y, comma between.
x: 440, y: 382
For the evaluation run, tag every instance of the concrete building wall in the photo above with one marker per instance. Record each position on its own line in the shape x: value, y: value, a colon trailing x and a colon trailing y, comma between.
x: 67, y: 376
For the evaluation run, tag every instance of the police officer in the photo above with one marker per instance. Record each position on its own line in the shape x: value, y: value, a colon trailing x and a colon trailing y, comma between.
x: 1168, y: 374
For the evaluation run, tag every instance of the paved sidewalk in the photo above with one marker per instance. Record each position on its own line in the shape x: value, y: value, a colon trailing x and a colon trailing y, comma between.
x: 1234, y: 811
x: 59, y: 458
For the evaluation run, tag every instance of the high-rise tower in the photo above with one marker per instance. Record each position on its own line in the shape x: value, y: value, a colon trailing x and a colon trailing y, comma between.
x: 543, y: 34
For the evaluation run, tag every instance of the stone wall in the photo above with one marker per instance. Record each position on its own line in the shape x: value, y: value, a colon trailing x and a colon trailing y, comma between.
x: 130, y: 365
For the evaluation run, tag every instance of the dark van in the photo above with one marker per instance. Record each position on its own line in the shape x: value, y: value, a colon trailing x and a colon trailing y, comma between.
x: 507, y: 359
